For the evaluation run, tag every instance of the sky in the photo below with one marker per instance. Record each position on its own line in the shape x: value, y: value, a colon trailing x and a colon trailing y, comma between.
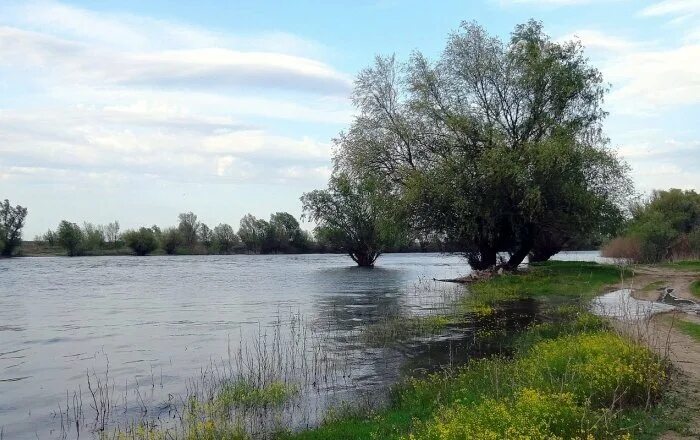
x: 136, y: 111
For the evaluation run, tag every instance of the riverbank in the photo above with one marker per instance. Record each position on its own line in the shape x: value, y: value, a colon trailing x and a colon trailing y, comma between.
x: 570, y: 374
x: 573, y: 375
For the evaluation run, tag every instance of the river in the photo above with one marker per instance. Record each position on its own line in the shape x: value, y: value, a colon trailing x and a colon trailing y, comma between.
x: 150, y: 325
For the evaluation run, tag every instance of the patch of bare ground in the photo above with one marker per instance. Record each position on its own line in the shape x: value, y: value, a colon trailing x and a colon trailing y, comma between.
x: 648, y: 280
x: 661, y: 334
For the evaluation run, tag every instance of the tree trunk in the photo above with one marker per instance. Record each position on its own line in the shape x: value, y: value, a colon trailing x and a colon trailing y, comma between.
x: 546, y: 245
x: 364, y: 258
x: 527, y: 240
x: 485, y: 258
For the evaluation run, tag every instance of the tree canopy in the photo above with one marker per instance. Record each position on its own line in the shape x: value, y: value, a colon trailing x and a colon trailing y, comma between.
x: 357, y: 215
x: 11, y: 223
x: 497, y: 144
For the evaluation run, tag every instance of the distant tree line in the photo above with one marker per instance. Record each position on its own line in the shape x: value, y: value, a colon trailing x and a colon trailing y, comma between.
x: 664, y: 226
x: 281, y: 234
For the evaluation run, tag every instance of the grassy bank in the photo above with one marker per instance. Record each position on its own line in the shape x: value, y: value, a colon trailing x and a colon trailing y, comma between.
x: 569, y: 376
x: 570, y: 379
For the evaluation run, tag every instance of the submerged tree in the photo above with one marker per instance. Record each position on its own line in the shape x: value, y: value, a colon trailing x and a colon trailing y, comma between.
x: 467, y: 142
x: 355, y: 215
x: 11, y: 223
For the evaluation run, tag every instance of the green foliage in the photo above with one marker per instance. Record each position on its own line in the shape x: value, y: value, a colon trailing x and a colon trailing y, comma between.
x: 142, y: 242
x: 684, y: 265
x: 188, y: 227
x: 284, y: 234
x: 70, y: 238
x: 397, y: 329
x: 473, y: 159
x: 695, y: 288
x: 244, y: 393
x: 93, y: 237
x: 601, y: 368
x: 225, y: 239
x: 356, y: 215
x: 252, y: 232
x: 667, y: 226
x: 690, y: 328
x: 171, y: 240
x: 573, y: 381
x: 553, y: 278
x: 11, y: 224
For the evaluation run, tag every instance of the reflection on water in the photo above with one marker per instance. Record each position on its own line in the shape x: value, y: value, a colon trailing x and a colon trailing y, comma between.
x: 157, y: 323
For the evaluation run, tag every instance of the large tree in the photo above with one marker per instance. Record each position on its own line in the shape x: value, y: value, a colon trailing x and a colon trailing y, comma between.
x: 469, y: 140
x: 71, y: 238
x: 142, y: 241
x: 252, y: 232
x: 189, y: 227
x: 11, y: 224
x: 356, y: 216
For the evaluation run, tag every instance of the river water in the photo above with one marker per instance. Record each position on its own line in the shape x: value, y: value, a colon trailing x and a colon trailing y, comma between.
x: 148, y: 326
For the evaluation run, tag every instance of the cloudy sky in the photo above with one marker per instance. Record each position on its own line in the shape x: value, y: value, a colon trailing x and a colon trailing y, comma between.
x: 136, y: 111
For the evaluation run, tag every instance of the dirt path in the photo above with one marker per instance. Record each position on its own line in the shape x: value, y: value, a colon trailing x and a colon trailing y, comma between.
x: 662, y: 335
x: 645, y: 277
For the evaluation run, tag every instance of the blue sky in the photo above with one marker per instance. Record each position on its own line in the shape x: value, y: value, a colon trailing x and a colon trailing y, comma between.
x: 137, y: 111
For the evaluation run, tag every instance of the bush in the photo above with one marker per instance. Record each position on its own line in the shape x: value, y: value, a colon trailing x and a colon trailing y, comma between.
x: 530, y: 414
x: 171, y: 240
x: 694, y: 241
x: 142, y: 242
x: 629, y: 248
x: 601, y: 368
x: 70, y: 238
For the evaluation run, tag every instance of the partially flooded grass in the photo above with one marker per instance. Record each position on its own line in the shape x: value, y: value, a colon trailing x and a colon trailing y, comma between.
x: 573, y: 381
x: 568, y: 375
x: 243, y: 393
x: 553, y: 278
x: 397, y: 329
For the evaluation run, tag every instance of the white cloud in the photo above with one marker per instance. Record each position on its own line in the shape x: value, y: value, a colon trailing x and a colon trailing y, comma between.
x: 672, y: 7
x: 120, y: 96
x: 596, y: 40
x: 652, y: 80
x: 550, y: 2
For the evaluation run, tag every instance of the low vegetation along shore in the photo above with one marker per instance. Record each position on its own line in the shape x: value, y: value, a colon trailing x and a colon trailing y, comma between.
x: 569, y: 375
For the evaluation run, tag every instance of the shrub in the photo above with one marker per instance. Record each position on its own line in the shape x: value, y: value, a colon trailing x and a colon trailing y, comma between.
x: 171, y: 240
x: 629, y: 248
x: 694, y: 241
x: 530, y: 414
x: 142, y: 242
x: 603, y: 368
x: 71, y: 238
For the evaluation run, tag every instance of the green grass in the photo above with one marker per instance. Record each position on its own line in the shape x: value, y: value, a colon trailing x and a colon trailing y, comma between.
x: 654, y: 286
x: 243, y: 393
x: 684, y: 265
x: 695, y: 288
x: 561, y: 279
x: 690, y: 328
x: 401, y: 328
x: 575, y: 379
